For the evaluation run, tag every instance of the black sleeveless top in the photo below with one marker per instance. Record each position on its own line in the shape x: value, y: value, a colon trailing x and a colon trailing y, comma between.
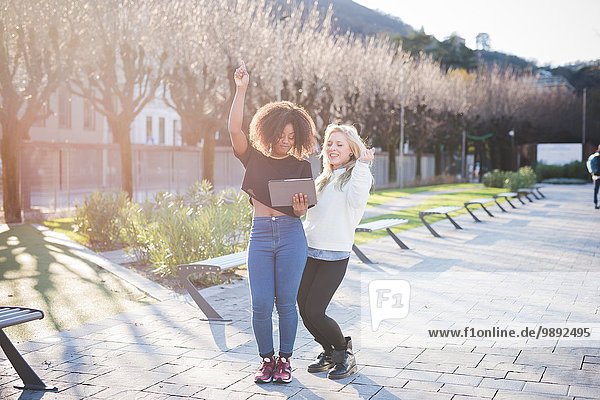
x: 260, y: 169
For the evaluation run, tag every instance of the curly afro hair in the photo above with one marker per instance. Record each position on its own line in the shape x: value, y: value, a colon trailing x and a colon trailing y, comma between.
x: 269, y: 121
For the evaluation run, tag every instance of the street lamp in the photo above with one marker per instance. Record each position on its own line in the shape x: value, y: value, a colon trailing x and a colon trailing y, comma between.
x: 511, y: 133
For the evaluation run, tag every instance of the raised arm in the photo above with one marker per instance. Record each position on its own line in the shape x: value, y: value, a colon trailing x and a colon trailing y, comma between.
x: 236, y: 114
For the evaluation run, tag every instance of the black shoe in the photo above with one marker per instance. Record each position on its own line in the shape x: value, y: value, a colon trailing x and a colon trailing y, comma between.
x: 322, y: 363
x: 345, y: 363
x: 597, y: 207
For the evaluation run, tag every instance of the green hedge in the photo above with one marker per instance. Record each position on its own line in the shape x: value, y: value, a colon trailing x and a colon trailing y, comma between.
x: 574, y: 170
x: 523, y: 178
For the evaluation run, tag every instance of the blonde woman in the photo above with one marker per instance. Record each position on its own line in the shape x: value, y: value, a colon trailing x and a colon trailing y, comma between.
x: 342, y: 191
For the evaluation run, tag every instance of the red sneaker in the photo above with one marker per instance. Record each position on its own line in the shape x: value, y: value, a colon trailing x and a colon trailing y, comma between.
x: 265, y: 371
x: 283, y: 371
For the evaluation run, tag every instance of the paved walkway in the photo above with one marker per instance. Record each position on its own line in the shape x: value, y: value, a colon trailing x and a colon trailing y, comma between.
x: 536, y: 265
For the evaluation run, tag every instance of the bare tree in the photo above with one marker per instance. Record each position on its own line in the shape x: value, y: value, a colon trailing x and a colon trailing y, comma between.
x: 121, y: 66
x: 36, y: 48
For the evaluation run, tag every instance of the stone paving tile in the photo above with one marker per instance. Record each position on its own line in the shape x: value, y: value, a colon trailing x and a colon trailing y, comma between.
x: 380, y: 381
x: 408, y: 394
x: 219, y: 394
x: 508, y: 384
x: 379, y: 371
x: 460, y: 379
x: 130, y: 379
x: 592, y: 392
x: 483, y: 372
x: 467, y: 390
x: 365, y: 391
x: 510, y: 395
x: 524, y: 376
x: 546, y: 388
x: 308, y: 394
x: 82, y: 391
x: 570, y: 377
x: 419, y: 375
x: 174, y: 389
x: 424, y: 386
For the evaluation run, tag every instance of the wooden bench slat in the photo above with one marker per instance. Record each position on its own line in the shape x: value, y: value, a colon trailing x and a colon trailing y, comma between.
x: 506, y: 194
x: 380, y: 224
x: 441, y: 210
x: 19, y: 319
x: 224, y: 262
x: 480, y: 201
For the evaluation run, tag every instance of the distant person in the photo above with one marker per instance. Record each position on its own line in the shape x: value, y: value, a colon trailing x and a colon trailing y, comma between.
x: 342, y: 192
x: 281, y: 136
x: 593, y: 166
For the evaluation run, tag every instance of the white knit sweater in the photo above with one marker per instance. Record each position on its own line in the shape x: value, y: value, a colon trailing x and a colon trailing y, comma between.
x: 330, y: 224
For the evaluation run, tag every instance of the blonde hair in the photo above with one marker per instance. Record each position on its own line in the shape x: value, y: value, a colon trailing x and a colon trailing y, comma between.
x: 357, y: 147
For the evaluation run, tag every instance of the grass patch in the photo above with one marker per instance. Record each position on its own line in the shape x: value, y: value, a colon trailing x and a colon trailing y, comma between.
x: 65, y: 226
x: 380, y: 197
x: 466, y: 192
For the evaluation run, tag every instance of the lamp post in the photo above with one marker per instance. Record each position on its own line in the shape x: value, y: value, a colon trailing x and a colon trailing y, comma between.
x: 511, y: 133
x: 401, y: 144
x: 583, y: 127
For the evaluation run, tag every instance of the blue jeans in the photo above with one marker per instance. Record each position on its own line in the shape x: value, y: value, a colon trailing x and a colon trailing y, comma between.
x: 277, y: 254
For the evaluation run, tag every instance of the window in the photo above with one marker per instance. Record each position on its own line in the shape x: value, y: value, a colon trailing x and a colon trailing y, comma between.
x: 64, y: 109
x: 161, y: 130
x: 89, y: 116
x: 149, y: 137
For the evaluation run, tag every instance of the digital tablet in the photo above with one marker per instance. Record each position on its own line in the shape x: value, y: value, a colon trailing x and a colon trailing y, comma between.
x: 283, y: 190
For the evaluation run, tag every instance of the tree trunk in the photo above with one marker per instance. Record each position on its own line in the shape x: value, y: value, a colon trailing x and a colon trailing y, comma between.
x: 208, y: 157
x: 418, y: 166
x: 392, y: 176
x: 438, y: 160
x: 121, y: 133
x: 189, y: 131
x: 11, y: 200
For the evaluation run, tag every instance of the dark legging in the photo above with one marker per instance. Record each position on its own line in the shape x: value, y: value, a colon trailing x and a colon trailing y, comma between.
x: 596, y: 188
x: 319, y: 282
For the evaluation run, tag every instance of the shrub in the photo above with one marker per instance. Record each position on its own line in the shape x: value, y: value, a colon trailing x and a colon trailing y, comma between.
x: 176, y: 229
x: 100, y: 218
x: 494, y: 178
x: 523, y: 178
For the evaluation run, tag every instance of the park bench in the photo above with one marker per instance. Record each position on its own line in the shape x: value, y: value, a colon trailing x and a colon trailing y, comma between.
x: 445, y: 210
x: 525, y: 192
x: 536, y: 188
x: 507, y: 196
x: 482, y: 202
x: 217, y: 264
x: 11, y: 316
x: 386, y: 224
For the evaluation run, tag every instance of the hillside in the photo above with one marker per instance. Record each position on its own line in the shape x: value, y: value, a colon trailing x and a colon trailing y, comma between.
x: 353, y: 17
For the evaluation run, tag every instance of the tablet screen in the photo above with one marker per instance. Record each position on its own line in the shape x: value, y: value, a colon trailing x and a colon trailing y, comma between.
x: 283, y: 190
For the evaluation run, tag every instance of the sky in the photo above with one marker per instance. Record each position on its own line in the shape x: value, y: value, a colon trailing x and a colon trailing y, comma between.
x: 549, y: 32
